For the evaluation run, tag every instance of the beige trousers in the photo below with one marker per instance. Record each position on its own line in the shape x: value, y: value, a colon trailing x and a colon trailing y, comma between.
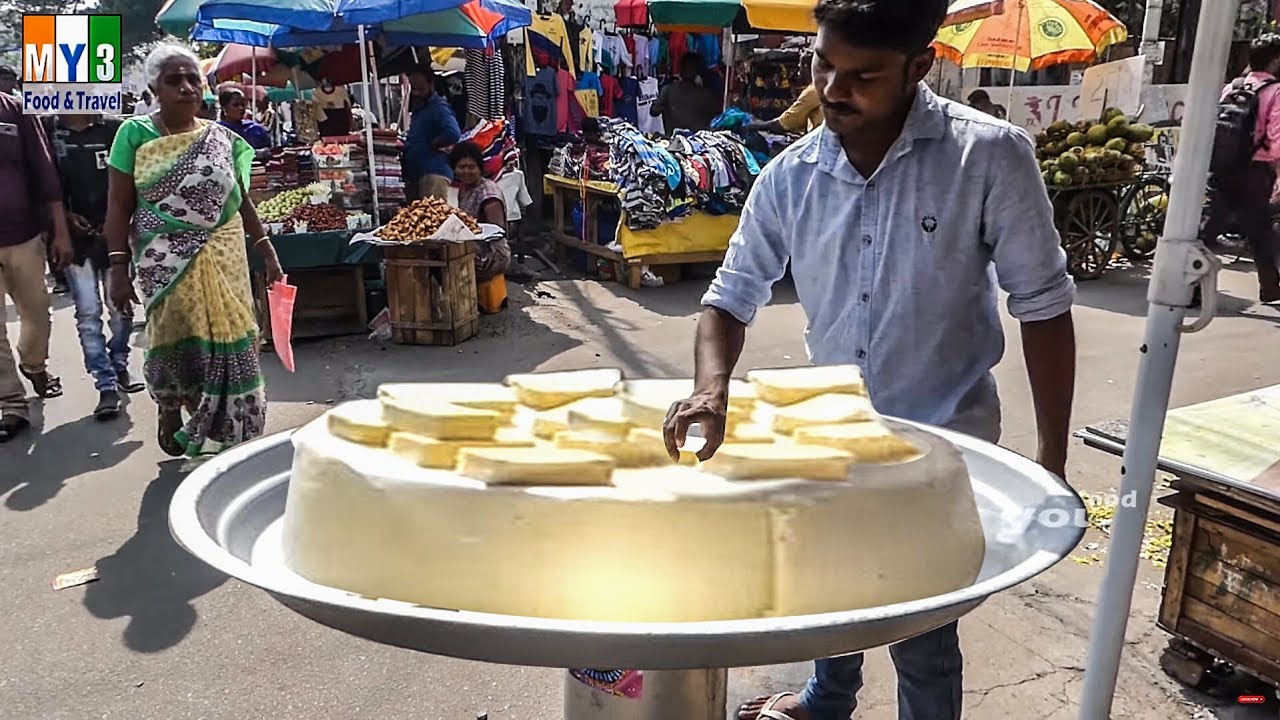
x: 22, y: 269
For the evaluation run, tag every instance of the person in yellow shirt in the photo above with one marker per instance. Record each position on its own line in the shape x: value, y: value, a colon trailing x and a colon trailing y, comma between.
x: 805, y: 113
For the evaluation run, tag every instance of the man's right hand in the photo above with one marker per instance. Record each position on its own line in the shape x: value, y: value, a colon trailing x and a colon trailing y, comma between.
x: 706, y: 408
x: 79, y: 225
x: 120, y: 288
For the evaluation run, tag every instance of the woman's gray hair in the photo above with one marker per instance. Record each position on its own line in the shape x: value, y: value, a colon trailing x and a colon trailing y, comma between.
x: 163, y: 54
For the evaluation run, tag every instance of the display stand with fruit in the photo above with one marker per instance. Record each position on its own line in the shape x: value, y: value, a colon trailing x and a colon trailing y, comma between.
x: 1102, y: 195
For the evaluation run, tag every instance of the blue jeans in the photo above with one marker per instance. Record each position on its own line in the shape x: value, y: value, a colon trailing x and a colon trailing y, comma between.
x: 930, y: 683
x: 102, y: 359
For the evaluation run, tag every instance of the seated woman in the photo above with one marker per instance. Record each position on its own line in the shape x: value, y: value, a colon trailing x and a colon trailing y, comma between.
x: 482, y: 199
x: 234, y: 110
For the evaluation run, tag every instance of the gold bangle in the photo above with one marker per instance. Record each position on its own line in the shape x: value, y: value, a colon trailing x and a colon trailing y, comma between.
x: 118, y: 253
x: 260, y: 240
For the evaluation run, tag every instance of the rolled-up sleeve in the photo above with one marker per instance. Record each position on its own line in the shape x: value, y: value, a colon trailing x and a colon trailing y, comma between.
x: 1018, y: 226
x: 43, y: 173
x: 756, y: 258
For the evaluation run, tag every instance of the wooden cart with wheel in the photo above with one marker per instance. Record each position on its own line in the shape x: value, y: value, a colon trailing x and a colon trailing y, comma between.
x: 1097, y: 221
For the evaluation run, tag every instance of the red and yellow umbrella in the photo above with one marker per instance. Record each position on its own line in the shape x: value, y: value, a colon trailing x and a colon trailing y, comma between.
x: 1031, y: 35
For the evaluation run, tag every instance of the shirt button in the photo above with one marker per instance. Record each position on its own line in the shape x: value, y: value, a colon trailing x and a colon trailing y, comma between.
x: 871, y: 185
x: 866, y: 239
x: 862, y: 354
x: 866, y: 297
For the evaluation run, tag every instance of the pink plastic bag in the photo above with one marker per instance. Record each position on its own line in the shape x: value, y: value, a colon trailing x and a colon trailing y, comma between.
x: 280, y: 297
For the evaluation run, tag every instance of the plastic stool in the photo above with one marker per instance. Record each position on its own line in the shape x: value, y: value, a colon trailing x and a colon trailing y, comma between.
x: 493, y: 294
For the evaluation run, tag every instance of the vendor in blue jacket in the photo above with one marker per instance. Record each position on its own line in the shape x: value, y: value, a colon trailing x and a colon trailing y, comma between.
x: 432, y: 128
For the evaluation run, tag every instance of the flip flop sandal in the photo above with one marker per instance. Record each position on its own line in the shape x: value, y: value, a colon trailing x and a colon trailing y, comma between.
x: 166, y: 429
x: 46, y: 385
x: 766, y: 711
x: 11, y: 426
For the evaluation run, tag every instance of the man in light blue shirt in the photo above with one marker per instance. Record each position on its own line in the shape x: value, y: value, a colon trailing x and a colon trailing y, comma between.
x: 901, y: 217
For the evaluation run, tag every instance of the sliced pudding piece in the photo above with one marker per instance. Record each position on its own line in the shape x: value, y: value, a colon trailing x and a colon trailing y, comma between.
x: 440, y: 420
x: 868, y: 442
x: 544, y: 391
x: 598, y: 416
x: 779, y: 461
x: 830, y: 409
x: 477, y: 396
x: 750, y: 433
x: 443, y: 454
x: 787, y: 386
x: 535, y: 466
x: 628, y: 452
x: 359, y: 421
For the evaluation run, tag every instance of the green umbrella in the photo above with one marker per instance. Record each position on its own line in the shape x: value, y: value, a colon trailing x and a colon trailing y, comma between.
x: 177, y: 17
x: 692, y: 13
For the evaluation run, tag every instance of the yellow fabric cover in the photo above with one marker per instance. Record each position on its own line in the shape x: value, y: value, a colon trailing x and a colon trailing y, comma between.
x: 696, y: 233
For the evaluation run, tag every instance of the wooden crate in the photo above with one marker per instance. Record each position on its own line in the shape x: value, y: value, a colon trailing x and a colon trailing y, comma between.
x: 330, y: 302
x: 431, y: 293
x: 1222, y: 584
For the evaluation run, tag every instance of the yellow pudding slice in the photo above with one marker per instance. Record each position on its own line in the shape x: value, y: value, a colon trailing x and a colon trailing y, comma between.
x: 868, y: 442
x: 750, y: 433
x: 535, y: 466
x: 629, y: 452
x: 830, y: 409
x: 440, y: 420
x: 598, y: 416
x: 443, y: 454
x: 788, y: 386
x: 359, y: 421
x: 477, y: 396
x: 779, y: 461
x: 544, y: 391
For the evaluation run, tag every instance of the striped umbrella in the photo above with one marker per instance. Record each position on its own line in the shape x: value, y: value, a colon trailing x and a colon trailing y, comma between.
x: 1031, y: 35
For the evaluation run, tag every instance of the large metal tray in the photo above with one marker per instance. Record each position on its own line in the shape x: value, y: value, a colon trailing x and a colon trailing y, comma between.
x: 228, y: 513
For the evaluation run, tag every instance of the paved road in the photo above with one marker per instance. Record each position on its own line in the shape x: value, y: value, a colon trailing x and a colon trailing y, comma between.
x: 161, y: 636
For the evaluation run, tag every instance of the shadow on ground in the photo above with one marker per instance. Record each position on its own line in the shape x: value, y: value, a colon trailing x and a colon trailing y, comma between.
x: 43, y: 461
x: 1123, y: 290
x: 150, y: 579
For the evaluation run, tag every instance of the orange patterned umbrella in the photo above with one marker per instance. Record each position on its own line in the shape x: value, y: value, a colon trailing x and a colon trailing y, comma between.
x: 1031, y: 35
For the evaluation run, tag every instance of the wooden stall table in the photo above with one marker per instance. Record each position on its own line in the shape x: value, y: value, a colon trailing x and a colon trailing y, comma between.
x: 329, y: 274
x: 1221, y: 596
x: 702, y: 238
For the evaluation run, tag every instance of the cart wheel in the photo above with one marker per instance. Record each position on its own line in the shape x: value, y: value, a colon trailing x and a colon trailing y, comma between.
x: 1090, y: 232
x: 1185, y: 663
x: 1142, y: 214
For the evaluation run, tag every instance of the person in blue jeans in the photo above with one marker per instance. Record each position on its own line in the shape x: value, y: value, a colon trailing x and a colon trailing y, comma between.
x: 81, y: 145
x: 901, y: 217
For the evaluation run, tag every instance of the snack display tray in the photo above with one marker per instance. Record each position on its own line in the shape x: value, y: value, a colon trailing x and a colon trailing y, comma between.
x: 229, y: 513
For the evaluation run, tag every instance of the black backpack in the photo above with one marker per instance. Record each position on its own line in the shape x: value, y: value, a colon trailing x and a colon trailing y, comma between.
x: 1233, y: 138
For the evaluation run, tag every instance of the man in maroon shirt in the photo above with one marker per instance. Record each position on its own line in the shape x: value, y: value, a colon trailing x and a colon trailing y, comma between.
x: 31, y: 200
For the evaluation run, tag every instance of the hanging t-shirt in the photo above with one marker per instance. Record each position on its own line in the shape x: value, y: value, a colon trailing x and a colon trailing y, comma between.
x: 564, y: 99
x: 610, y: 93
x: 611, y: 51
x: 626, y: 105
x: 486, y: 84
x: 548, y: 44
x: 647, y: 96
x: 630, y: 41
x: 590, y: 81
x: 641, y: 55
x: 540, y: 98
x: 658, y: 54
x: 677, y: 46
x: 586, y: 50
x: 708, y: 46
x: 590, y: 102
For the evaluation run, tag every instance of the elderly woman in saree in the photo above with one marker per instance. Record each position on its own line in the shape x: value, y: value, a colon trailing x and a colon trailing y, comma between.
x: 179, y: 214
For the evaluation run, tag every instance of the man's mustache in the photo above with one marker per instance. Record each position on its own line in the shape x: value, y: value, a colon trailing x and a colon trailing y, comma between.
x: 840, y: 107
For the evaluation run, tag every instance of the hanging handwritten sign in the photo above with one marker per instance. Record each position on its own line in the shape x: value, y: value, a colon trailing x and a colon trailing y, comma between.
x: 1115, y: 84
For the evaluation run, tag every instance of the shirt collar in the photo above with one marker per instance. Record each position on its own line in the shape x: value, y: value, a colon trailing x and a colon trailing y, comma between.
x: 925, y: 121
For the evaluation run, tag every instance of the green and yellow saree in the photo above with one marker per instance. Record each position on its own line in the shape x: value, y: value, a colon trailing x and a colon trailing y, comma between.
x: 193, y: 275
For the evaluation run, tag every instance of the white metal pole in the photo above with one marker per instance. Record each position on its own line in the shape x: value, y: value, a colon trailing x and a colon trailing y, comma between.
x: 1179, y: 258
x: 377, y: 85
x: 1151, y: 39
x: 368, y: 126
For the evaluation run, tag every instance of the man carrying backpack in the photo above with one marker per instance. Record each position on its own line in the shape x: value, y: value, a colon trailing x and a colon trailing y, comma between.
x: 1246, y: 151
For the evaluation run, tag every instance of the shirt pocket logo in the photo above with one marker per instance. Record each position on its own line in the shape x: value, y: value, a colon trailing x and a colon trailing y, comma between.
x: 929, y: 224
x: 9, y: 129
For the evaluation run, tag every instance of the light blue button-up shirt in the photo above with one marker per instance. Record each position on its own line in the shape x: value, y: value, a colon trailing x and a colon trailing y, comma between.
x: 898, y: 272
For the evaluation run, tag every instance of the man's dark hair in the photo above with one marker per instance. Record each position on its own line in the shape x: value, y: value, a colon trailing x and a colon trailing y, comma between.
x: 1264, y: 51
x: 907, y: 26
x: 978, y: 96
x: 425, y: 70
x: 464, y: 150
x: 692, y: 58
x: 8, y: 72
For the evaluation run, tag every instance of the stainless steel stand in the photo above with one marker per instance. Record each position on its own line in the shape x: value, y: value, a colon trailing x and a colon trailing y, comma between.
x: 668, y: 694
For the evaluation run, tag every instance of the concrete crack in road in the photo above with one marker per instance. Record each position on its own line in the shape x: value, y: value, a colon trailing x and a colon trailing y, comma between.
x: 982, y: 693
